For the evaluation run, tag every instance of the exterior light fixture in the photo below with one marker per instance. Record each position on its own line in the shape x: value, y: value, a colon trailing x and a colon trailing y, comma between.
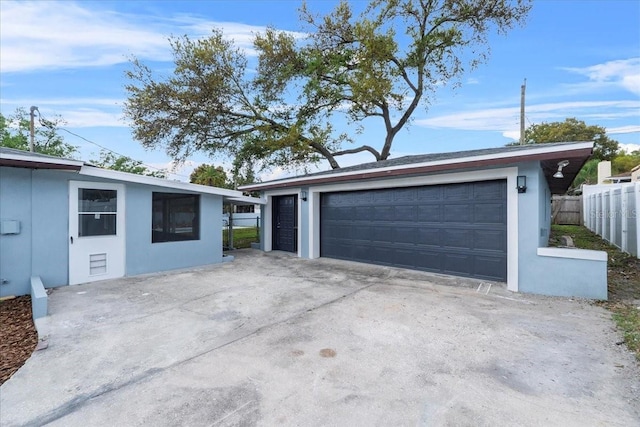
x: 561, y: 165
x: 521, y: 184
x: 303, y: 195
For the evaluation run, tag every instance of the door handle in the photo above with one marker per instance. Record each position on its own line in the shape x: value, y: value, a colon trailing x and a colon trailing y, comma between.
x: 71, y: 238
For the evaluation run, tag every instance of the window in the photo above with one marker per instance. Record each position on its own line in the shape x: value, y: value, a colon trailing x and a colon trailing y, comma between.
x: 97, y: 211
x: 245, y: 209
x: 176, y: 217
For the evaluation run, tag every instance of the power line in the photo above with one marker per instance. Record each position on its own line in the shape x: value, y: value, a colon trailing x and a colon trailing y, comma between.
x: 42, y: 119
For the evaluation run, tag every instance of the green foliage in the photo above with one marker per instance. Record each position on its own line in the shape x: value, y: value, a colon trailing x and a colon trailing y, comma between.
x: 242, y: 237
x: 588, y: 174
x: 624, y: 162
x: 380, y: 65
x: 15, y: 133
x: 211, y: 176
x: 627, y: 317
x: 109, y: 160
x: 571, y: 130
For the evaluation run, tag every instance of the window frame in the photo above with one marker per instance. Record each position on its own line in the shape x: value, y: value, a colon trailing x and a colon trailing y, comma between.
x: 172, y: 205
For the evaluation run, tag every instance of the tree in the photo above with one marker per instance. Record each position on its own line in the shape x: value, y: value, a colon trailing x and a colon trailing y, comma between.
x: 281, y: 114
x: 109, y: 160
x: 15, y: 133
x: 210, y: 175
x: 624, y: 162
x: 573, y: 129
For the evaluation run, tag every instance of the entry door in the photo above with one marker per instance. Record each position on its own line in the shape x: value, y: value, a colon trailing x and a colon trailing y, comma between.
x: 285, y: 227
x: 96, y: 231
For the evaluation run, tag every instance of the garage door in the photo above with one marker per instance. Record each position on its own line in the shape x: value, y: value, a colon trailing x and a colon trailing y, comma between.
x: 458, y: 229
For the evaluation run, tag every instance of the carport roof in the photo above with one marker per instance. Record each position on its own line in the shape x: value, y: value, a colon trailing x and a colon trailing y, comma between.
x: 547, y: 154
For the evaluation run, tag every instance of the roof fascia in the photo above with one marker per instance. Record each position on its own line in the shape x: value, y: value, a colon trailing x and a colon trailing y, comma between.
x: 535, y: 153
x: 158, y: 182
x: 40, y: 160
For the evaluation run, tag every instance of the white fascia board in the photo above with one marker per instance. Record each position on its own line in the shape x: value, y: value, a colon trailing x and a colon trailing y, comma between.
x: 247, y: 200
x: 34, y: 159
x: 158, y: 182
x: 540, y: 149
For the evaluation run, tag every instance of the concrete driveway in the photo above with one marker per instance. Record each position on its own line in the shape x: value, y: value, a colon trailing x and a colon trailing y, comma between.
x: 271, y: 339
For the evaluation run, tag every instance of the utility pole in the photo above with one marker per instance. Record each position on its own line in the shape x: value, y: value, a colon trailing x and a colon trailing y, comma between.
x: 523, y: 88
x: 33, y: 109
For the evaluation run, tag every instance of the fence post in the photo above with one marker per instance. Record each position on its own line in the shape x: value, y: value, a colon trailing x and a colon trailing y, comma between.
x: 258, y: 229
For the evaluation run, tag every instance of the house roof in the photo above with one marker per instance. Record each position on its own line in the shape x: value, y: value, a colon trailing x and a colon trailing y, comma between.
x: 548, y: 154
x: 25, y: 159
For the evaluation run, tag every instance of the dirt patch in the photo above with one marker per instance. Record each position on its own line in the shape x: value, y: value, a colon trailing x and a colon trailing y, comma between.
x: 623, y: 280
x: 327, y: 352
x: 18, y: 336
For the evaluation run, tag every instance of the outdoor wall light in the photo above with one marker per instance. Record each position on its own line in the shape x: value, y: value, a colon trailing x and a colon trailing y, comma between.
x: 303, y: 195
x: 561, y: 165
x: 521, y: 184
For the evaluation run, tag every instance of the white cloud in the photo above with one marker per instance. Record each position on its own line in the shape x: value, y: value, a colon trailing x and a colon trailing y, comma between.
x: 506, y: 120
x: 630, y: 147
x: 64, y: 34
x: 623, y: 129
x: 624, y: 73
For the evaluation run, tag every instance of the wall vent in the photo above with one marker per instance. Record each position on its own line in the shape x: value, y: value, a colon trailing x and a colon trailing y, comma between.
x: 97, y: 264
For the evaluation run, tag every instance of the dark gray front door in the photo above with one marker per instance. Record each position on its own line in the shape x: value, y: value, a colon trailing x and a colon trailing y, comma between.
x: 285, y: 225
x: 458, y: 229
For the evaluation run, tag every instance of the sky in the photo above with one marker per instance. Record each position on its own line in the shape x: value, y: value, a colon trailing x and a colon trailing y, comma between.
x: 579, y: 58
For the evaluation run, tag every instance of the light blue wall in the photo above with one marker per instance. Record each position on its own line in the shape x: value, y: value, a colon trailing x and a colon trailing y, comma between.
x: 15, y: 249
x: 146, y: 257
x: 39, y: 199
x: 50, y: 210
x: 543, y: 274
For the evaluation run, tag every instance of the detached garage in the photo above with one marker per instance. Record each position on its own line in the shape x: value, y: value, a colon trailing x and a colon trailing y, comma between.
x: 482, y: 214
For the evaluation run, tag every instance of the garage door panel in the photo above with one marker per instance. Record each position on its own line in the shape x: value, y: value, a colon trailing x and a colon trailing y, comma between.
x: 429, y: 236
x: 455, y: 263
x: 429, y: 213
x: 430, y: 193
x: 456, y: 192
x: 488, y: 191
x: 405, y: 235
x: 489, y: 213
x: 489, y: 267
x: 382, y: 213
x: 382, y: 197
x: 405, y: 213
x: 453, y: 238
x: 490, y: 240
x: 458, y: 212
x: 455, y: 229
x: 430, y: 261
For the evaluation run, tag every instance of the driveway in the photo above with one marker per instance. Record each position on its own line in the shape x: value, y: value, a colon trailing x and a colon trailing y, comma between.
x: 271, y: 339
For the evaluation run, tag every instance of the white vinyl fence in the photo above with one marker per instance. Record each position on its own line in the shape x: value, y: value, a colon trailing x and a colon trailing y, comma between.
x: 611, y: 211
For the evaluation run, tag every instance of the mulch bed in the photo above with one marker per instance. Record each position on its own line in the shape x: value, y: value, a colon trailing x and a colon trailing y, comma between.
x: 18, y: 336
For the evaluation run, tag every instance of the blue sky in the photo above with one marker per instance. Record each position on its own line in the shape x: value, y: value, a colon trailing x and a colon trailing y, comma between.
x: 580, y: 58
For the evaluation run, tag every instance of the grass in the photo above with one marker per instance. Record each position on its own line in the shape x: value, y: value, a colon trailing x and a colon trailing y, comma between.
x: 623, y: 278
x: 242, y: 237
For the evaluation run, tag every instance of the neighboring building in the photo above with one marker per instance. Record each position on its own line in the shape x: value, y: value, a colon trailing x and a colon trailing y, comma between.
x: 482, y: 214
x: 68, y: 222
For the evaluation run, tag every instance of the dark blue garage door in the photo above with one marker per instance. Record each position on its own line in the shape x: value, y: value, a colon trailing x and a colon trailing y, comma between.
x: 458, y: 229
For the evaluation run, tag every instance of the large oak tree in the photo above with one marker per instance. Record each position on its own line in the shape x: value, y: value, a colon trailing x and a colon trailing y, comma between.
x: 381, y: 64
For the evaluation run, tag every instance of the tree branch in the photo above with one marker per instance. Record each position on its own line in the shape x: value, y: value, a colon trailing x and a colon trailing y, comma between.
x: 358, y: 150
